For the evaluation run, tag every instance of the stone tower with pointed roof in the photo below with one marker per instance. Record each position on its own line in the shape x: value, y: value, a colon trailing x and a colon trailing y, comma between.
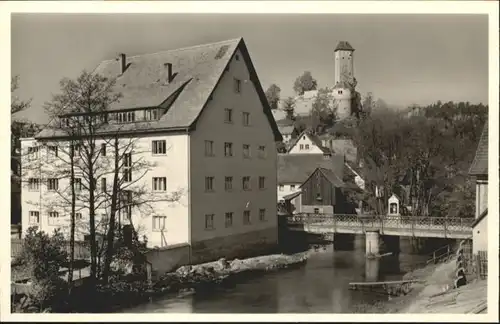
x: 343, y: 89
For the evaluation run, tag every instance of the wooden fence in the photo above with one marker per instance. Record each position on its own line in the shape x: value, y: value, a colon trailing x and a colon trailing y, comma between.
x: 82, y: 251
x: 481, y: 263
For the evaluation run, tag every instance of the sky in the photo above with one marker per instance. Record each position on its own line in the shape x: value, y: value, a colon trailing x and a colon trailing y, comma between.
x: 402, y: 59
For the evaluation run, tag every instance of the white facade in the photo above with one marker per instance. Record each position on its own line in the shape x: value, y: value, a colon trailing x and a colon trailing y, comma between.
x: 305, y: 145
x: 199, y: 214
x: 211, y: 126
x: 393, y: 209
x: 481, y: 196
x: 480, y: 236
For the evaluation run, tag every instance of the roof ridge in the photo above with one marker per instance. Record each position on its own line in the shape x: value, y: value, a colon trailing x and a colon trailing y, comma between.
x: 186, y: 48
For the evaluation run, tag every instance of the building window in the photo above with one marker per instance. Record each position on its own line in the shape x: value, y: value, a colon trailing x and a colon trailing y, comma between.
x: 159, y: 184
x: 340, y: 92
x: 103, y: 149
x: 151, y: 114
x: 228, y: 183
x: 228, y: 115
x: 246, y: 217
x: 262, y: 151
x: 159, y: 223
x: 78, y: 216
x: 228, y: 149
x: 246, y: 183
x: 33, y: 152
x: 53, y: 217
x: 301, y: 146
x: 209, y: 221
x: 52, y: 184
x: 237, y: 85
x: 125, y: 117
x: 229, y: 219
x: 262, y: 182
x: 209, y: 183
x: 246, y: 119
x: 292, y: 187
x: 159, y: 147
x: 34, y: 184
x: 307, y: 146
x: 262, y: 215
x: 237, y: 57
x: 78, y: 184
x: 281, y: 187
x: 52, y: 150
x: 103, y: 185
x: 75, y: 150
x: 316, y: 210
x: 209, y: 148
x: 246, y: 151
x: 127, y: 167
x: 34, y: 217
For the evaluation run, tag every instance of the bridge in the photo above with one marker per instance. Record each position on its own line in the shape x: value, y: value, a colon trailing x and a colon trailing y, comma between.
x: 373, y: 226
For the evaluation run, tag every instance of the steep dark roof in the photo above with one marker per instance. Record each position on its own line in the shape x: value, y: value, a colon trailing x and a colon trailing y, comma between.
x: 296, y: 168
x: 480, y: 164
x: 344, y: 46
x: 315, y: 139
x: 478, y: 220
x: 198, y: 70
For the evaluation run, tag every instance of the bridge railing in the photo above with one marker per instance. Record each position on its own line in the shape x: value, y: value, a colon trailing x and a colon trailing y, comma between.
x: 448, y: 224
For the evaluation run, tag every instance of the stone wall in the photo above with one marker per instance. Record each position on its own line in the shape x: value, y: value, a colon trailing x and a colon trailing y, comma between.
x: 169, y: 258
x: 235, y: 246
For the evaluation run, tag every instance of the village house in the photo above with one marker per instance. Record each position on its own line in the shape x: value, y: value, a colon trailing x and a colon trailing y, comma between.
x: 322, y: 193
x: 479, y: 170
x: 200, y: 114
x: 307, y: 143
x: 294, y: 169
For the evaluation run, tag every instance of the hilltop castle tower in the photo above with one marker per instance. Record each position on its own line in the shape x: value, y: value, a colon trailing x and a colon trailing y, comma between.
x: 343, y: 89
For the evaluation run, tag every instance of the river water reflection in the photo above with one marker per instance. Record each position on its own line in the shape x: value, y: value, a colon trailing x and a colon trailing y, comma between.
x: 319, y: 286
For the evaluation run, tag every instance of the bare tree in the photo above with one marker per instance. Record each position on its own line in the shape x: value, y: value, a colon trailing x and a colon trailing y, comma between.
x: 81, y: 120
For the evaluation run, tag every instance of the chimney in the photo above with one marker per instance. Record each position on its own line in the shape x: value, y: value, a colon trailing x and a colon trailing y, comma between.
x: 123, y: 61
x: 170, y: 75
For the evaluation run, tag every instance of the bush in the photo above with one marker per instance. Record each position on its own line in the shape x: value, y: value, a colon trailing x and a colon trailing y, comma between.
x: 42, y: 256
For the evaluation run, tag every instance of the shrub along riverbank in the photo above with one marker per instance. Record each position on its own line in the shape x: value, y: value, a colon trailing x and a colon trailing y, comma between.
x: 123, y: 292
x: 194, y: 278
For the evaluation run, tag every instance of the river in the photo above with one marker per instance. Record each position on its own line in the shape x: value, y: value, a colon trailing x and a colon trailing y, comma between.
x: 318, y: 286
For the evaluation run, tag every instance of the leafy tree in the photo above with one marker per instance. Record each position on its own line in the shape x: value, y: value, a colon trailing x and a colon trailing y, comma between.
x: 304, y: 82
x: 368, y: 104
x: 425, y: 155
x: 273, y: 96
x: 323, y: 111
x: 289, y: 108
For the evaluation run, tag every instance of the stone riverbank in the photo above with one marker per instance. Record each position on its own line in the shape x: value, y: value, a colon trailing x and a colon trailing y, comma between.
x: 436, y: 294
x: 192, y: 278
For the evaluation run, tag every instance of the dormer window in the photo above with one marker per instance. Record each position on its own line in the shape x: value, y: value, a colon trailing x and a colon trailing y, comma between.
x: 151, y: 114
x: 125, y: 117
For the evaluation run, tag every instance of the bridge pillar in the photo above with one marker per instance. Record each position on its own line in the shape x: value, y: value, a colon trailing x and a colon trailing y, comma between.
x: 372, y: 268
x: 372, y: 242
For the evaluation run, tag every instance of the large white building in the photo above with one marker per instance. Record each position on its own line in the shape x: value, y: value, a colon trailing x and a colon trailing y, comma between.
x: 200, y: 115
